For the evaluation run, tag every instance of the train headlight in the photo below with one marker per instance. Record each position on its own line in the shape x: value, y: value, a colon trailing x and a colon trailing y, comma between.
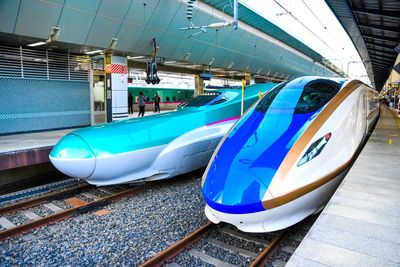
x: 314, y: 149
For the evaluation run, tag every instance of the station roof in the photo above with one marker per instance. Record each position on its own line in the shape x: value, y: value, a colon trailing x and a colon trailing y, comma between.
x: 85, y: 26
x: 374, y: 27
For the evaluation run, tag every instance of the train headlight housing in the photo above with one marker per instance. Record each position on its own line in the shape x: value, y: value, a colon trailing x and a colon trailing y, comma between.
x: 314, y: 149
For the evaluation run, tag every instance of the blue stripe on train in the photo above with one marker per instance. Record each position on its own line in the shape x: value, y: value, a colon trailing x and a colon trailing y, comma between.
x: 249, y: 158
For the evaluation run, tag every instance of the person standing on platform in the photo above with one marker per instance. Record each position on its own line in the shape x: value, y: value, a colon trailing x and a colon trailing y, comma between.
x: 142, y: 103
x: 157, y: 100
x: 130, y: 103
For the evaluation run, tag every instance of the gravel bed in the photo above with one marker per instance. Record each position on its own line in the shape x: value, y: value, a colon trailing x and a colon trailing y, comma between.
x: 279, y: 255
x: 42, y: 211
x: 17, y: 218
x: 237, y: 242
x: 135, y: 229
x: 300, y: 229
x: 62, y: 204
x: 221, y: 254
x: 99, y: 193
x: 185, y: 259
x: 84, y: 198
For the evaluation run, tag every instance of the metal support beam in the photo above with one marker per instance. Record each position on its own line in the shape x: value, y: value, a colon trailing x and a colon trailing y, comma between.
x: 381, y: 69
x: 387, y: 68
x: 382, y: 38
x: 383, y: 57
x: 391, y: 47
x: 394, y: 54
x: 389, y: 61
x: 380, y: 63
x: 379, y: 27
x: 377, y: 12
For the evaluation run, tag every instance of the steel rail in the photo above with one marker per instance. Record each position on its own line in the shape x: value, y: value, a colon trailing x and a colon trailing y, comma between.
x: 37, y: 201
x: 21, y: 229
x: 268, y: 251
x: 176, y: 248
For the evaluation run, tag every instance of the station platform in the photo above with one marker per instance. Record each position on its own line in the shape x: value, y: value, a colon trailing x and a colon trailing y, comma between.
x: 22, y: 150
x: 360, y: 226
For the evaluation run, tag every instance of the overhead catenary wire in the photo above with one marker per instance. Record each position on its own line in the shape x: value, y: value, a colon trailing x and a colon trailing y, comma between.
x: 319, y: 20
x: 308, y: 29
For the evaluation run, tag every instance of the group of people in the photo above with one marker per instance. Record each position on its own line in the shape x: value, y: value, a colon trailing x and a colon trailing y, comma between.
x: 141, y: 100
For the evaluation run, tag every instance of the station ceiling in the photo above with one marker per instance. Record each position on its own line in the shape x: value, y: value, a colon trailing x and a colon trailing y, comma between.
x: 374, y: 27
x: 90, y: 25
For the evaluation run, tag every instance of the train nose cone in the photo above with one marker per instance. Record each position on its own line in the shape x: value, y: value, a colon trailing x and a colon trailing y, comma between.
x: 73, y: 156
x: 240, y: 192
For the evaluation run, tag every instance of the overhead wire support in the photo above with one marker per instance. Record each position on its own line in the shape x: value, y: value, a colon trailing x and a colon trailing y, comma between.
x: 216, y: 25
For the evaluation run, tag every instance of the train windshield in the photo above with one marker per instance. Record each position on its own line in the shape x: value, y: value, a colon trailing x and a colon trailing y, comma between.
x: 311, y: 97
x: 201, y: 100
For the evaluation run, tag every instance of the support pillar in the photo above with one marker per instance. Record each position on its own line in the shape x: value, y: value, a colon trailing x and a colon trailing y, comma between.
x: 247, y: 78
x: 198, y: 86
x: 117, y: 83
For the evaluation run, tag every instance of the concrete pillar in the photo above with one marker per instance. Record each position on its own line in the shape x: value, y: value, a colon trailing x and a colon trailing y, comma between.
x: 117, y: 76
x: 198, y: 86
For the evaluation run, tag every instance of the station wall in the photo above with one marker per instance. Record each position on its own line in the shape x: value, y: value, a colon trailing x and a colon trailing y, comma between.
x: 42, y: 90
x: 28, y: 105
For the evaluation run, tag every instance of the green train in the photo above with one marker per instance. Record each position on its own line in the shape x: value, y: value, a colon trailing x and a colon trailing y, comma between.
x: 170, y: 97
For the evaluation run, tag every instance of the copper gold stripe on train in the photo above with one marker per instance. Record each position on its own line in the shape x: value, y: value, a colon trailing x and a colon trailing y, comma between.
x: 300, y: 145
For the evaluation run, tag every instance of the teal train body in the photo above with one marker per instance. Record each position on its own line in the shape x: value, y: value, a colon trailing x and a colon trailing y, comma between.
x: 153, y: 147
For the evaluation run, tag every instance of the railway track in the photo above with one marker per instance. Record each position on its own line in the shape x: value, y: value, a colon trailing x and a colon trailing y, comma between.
x: 223, y: 245
x: 24, y: 216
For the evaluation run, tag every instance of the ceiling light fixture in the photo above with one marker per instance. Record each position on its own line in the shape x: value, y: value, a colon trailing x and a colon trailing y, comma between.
x: 93, y: 52
x: 186, y: 57
x: 113, y: 43
x: 37, y: 44
x: 53, y: 36
x: 135, y: 57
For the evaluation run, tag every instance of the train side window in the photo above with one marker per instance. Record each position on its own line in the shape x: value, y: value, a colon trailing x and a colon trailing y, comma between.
x: 174, y: 98
x: 167, y: 99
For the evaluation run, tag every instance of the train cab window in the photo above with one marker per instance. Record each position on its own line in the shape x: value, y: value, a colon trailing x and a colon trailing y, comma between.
x: 269, y: 98
x: 311, y: 97
x: 219, y: 101
x: 201, y: 100
x: 315, y: 95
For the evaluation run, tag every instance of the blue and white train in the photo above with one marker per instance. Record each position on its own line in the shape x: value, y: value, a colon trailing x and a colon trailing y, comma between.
x: 285, y: 157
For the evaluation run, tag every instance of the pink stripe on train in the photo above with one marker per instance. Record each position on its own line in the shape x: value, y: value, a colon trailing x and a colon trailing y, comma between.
x: 224, y: 120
